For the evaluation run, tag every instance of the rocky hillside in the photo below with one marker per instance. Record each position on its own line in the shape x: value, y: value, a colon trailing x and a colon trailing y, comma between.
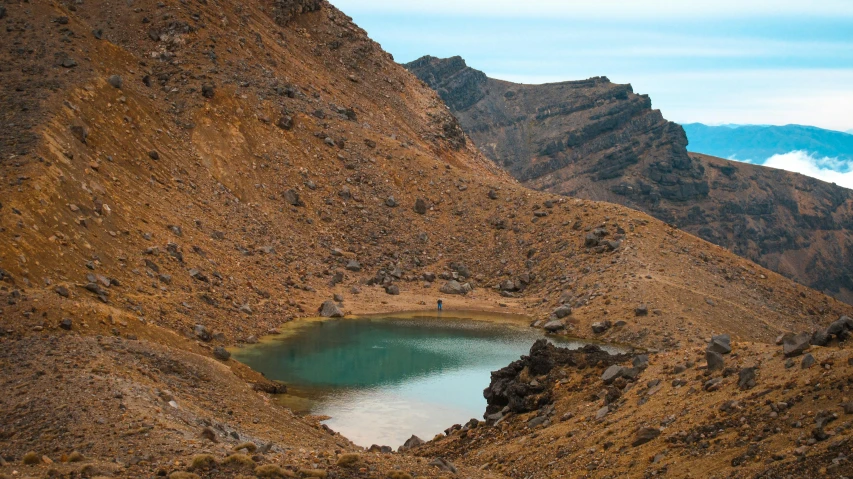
x: 181, y: 177
x: 598, y: 140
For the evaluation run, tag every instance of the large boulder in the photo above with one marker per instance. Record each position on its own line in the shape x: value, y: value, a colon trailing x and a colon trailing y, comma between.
x: 721, y: 343
x: 392, y: 289
x: 715, y: 360
x: 840, y: 328
x: 411, y: 442
x: 554, y: 325
x: 221, y: 353
x: 330, y: 310
x: 600, y: 326
x: 615, y: 372
x: 796, y: 345
x: 562, y: 311
x: 453, y: 287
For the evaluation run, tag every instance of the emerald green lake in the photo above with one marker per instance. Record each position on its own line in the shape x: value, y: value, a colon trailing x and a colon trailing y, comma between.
x: 383, y: 378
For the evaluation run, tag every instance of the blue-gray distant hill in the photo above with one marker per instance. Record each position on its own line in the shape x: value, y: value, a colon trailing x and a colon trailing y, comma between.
x: 756, y: 143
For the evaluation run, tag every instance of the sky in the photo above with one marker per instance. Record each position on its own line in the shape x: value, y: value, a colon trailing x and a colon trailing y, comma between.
x: 716, y: 62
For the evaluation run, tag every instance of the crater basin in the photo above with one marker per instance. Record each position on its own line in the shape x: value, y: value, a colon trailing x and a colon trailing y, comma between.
x: 382, y: 378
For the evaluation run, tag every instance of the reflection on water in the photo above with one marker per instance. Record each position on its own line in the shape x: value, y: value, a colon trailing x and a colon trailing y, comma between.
x: 384, y: 378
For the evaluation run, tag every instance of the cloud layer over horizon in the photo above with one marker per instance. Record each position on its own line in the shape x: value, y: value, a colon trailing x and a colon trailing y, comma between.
x: 831, y: 170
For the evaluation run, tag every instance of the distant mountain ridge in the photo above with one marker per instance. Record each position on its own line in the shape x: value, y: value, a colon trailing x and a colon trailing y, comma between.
x: 756, y: 143
x: 599, y: 140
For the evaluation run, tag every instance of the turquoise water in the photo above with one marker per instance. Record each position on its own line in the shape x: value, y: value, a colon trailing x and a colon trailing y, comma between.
x: 383, y: 378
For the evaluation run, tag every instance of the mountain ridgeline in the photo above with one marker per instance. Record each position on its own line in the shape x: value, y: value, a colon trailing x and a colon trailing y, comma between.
x: 598, y: 140
x: 759, y: 142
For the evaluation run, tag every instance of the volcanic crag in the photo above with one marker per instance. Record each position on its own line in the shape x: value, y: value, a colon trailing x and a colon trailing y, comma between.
x: 181, y: 177
x: 598, y: 140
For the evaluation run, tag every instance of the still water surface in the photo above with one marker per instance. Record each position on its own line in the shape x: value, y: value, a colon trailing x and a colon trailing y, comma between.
x: 383, y: 378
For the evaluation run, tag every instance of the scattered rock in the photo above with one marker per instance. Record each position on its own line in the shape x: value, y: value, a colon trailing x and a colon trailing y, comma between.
x: 796, y: 345
x: 715, y: 360
x: 746, y: 378
x: 154, y: 155
x: 453, y: 287
x: 65, y: 324
x: 600, y: 327
x: 443, y: 465
x: 645, y: 435
x: 641, y: 310
x: 554, y: 325
x: 80, y: 133
x: 411, y: 442
x: 390, y: 202
x: 202, y: 333
x: 115, y: 81
x: 713, y: 384
x: 198, y: 276
x: 562, y: 311
x: 840, y: 328
x: 291, y: 197
x: 330, y: 310
x: 807, y: 362
x: 221, y: 353
x: 392, y: 289
x: 208, y: 91
x: 67, y: 62
x: 640, y: 361
x: 615, y: 371
x: 720, y: 344
x: 353, y: 265
x: 62, y: 291
x: 420, y: 206
x: 285, y: 122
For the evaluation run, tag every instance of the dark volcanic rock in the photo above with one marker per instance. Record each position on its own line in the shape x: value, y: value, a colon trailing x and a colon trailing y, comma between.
x: 506, y: 389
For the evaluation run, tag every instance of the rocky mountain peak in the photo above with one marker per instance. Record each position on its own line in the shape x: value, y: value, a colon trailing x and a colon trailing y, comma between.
x: 601, y: 141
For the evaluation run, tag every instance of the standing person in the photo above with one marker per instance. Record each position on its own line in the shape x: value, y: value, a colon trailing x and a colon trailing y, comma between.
x: 439, y: 305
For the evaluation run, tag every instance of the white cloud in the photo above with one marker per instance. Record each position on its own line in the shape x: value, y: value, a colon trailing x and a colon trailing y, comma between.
x: 831, y: 170
x: 609, y: 9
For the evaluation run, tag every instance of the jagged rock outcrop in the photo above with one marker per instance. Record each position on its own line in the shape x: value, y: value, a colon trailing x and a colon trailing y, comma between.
x: 511, y: 390
x: 599, y: 140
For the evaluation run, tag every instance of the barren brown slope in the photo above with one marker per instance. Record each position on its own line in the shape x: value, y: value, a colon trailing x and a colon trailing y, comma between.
x: 598, y: 140
x: 249, y: 153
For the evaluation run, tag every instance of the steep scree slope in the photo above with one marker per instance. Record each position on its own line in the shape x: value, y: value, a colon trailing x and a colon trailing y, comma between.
x: 598, y: 140
x: 178, y: 177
